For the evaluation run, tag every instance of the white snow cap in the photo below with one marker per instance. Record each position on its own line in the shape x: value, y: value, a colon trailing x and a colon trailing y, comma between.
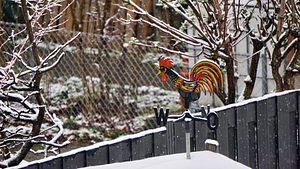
x: 210, y: 141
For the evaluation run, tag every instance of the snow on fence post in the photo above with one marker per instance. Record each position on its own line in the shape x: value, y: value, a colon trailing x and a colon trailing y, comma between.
x: 212, y: 145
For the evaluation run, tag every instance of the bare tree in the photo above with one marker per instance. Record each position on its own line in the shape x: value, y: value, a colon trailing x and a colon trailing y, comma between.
x: 219, y: 27
x: 22, y: 105
x: 285, y: 19
x: 277, y: 25
x: 257, y: 30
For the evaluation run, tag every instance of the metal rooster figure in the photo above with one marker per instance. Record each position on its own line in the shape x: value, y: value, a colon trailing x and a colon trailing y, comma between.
x: 205, y: 76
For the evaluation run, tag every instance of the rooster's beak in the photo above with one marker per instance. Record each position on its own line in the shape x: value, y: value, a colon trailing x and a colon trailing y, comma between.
x: 163, y: 75
x: 158, y: 68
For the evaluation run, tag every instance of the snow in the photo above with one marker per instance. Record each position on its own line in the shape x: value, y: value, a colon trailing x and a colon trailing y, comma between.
x: 201, y: 159
x: 110, y: 142
x: 248, y: 79
x: 241, y: 97
x: 270, y: 95
x: 213, y: 142
x: 148, y: 96
x: 91, y: 147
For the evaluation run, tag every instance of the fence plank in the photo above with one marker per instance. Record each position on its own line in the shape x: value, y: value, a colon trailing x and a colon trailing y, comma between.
x: 246, y: 133
x: 170, y: 138
x: 160, y: 143
x: 52, y: 164
x: 80, y: 159
x: 232, y: 133
x: 120, y: 152
x: 179, y: 137
x: 74, y: 161
x: 298, y: 113
x: 242, y: 135
x: 142, y: 147
x: 287, y: 136
x: 252, y: 128
x: 200, y: 134
x: 97, y: 156
x: 225, y: 134
x: 222, y: 133
x: 32, y: 166
x: 266, y: 131
x: 69, y: 162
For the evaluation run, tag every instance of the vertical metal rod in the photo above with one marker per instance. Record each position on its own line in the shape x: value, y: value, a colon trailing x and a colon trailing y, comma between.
x: 187, y: 138
x: 188, y: 145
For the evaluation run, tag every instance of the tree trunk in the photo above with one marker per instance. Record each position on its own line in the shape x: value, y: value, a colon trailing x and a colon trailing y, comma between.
x: 83, y: 74
x: 39, y: 99
x: 70, y: 16
x: 275, y: 64
x: 106, y: 14
x: 231, y: 81
x: 289, y: 80
x: 257, y: 46
x: 144, y: 30
x: 291, y: 60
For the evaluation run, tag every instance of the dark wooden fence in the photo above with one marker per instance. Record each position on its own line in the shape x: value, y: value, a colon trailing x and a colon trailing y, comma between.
x: 261, y: 133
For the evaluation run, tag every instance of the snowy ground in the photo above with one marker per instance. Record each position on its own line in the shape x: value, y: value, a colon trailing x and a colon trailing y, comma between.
x: 202, y: 159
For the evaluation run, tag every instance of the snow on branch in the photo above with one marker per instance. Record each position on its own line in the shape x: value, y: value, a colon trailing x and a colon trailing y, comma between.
x: 211, y: 20
x: 24, y: 119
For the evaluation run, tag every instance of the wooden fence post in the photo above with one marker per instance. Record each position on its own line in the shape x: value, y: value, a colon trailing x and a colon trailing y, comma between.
x: 212, y: 145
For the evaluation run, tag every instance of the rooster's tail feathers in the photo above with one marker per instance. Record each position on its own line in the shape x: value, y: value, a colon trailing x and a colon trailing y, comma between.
x: 209, y: 76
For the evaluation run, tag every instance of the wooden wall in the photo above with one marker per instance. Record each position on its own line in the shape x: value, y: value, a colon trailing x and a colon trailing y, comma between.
x: 91, y: 15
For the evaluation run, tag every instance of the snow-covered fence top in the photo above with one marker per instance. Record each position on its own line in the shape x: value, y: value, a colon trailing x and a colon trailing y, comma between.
x: 260, y: 133
x: 125, y: 148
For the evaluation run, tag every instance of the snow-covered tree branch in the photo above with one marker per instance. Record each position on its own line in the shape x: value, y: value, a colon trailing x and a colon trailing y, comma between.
x: 218, y: 27
x: 23, y: 109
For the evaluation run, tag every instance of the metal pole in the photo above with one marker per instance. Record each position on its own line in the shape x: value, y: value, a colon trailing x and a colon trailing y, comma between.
x: 187, y: 138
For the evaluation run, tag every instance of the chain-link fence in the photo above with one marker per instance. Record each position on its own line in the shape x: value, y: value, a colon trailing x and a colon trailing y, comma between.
x: 110, y: 83
x: 106, y: 81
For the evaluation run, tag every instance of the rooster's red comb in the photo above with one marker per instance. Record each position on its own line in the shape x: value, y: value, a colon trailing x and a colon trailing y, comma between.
x: 165, y: 62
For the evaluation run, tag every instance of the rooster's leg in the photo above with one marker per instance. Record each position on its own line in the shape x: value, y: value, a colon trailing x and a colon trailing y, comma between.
x: 187, y: 102
x: 188, y: 98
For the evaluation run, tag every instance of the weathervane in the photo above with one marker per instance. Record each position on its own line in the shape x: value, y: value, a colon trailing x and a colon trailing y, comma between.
x: 205, y: 76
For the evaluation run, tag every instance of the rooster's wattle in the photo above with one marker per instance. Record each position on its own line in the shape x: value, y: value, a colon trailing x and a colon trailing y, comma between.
x: 204, y: 76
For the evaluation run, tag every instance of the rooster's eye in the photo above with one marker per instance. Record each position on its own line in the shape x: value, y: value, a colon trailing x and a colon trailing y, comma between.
x: 161, y: 68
